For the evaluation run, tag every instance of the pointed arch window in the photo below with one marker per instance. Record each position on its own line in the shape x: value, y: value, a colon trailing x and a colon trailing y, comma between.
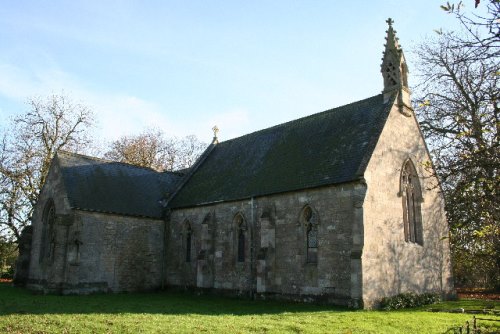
x: 48, y: 240
x: 311, y: 226
x: 412, y: 198
x: 241, y: 231
x: 189, y: 241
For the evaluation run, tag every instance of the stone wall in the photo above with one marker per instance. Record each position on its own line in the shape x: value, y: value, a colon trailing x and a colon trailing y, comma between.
x: 94, y: 252
x: 48, y: 274
x: 392, y: 265
x: 276, y: 261
x: 118, y: 253
x: 99, y: 252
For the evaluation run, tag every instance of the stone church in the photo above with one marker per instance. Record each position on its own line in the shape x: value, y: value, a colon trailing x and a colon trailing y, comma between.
x: 339, y: 206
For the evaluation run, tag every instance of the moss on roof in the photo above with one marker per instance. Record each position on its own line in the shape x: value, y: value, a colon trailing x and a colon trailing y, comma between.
x: 104, y: 186
x: 326, y: 148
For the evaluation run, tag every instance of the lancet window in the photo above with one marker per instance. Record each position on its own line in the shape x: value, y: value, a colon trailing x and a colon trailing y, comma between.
x: 188, y: 241
x: 412, y: 198
x: 241, y: 233
x: 48, y: 241
x: 309, y: 219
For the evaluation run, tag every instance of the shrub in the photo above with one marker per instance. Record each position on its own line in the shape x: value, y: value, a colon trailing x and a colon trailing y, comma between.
x: 406, y: 300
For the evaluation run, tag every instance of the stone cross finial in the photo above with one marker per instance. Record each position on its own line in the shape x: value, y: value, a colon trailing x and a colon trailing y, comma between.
x: 215, y: 129
x: 395, y: 72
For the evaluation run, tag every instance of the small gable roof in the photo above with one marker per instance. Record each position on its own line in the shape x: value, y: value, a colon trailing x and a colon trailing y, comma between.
x: 112, y: 187
x: 326, y: 148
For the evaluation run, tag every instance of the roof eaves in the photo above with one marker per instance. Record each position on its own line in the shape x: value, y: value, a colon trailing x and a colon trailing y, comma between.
x: 115, y: 213
x: 236, y: 199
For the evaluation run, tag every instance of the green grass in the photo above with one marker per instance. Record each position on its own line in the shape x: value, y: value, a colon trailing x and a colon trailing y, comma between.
x: 168, y: 312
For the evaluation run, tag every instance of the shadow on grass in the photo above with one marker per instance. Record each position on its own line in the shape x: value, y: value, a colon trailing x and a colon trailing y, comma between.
x: 22, y: 301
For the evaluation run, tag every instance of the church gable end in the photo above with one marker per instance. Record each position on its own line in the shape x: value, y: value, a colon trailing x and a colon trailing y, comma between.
x: 83, y: 242
x: 403, y: 212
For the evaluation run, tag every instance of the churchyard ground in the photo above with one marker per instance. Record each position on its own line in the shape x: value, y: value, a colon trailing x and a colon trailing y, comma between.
x: 172, y: 312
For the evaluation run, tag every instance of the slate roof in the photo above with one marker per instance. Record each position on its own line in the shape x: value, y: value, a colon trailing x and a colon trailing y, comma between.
x: 326, y: 148
x: 98, y: 185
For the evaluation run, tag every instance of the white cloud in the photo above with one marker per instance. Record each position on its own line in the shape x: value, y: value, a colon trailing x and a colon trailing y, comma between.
x: 118, y: 114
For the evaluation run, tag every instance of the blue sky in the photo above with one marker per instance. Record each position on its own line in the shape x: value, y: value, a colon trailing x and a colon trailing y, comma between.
x: 184, y: 66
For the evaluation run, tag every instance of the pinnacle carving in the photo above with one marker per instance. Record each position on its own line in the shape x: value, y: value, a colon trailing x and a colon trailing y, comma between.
x: 215, y: 129
x: 395, y: 71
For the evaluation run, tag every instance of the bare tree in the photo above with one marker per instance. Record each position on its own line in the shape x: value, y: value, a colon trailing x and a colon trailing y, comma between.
x: 482, y: 31
x: 458, y: 108
x: 189, y: 149
x: 27, y: 148
x: 153, y: 150
x: 147, y: 149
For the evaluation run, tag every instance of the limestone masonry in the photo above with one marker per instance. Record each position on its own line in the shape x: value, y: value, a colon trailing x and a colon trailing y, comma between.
x: 334, y: 207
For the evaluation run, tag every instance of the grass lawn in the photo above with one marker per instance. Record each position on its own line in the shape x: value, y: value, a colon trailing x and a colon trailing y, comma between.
x: 168, y: 312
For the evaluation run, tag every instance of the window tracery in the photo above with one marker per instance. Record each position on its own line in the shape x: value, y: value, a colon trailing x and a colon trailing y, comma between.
x: 412, y: 197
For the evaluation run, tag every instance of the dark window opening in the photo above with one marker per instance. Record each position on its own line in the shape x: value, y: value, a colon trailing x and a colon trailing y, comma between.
x: 412, y: 197
x: 241, y: 245
x: 311, y: 235
x: 48, y: 242
x: 241, y: 235
x: 189, y: 234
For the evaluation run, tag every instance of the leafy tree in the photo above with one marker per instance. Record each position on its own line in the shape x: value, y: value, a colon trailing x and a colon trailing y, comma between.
x: 460, y: 116
x: 28, y: 145
x: 152, y: 149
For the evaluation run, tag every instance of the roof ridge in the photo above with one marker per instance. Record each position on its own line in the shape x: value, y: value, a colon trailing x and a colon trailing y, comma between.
x: 126, y: 164
x: 324, y: 148
x: 301, y: 118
